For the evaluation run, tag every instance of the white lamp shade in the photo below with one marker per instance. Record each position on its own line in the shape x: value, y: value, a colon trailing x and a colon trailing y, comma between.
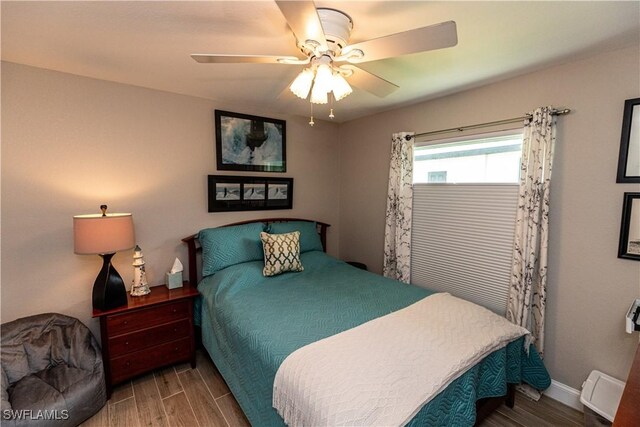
x: 318, y: 96
x: 97, y: 234
x: 302, y: 83
x: 322, y: 85
x: 324, y: 78
x: 340, y: 87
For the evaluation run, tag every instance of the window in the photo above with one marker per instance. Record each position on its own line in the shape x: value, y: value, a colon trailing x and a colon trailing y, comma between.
x: 464, y: 209
x: 490, y: 159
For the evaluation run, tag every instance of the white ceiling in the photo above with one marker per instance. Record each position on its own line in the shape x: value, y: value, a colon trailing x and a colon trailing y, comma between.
x: 148, y: 44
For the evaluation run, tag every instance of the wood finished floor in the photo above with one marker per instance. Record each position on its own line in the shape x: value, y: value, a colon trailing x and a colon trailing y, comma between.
x: 172, y: 397
x: 181, y: 396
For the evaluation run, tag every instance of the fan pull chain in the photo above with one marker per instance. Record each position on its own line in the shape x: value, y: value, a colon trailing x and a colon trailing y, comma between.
x: 331, y: 116
x: 311, y: 122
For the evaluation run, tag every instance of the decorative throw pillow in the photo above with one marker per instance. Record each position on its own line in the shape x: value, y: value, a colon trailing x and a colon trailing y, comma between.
x: 281, y: 253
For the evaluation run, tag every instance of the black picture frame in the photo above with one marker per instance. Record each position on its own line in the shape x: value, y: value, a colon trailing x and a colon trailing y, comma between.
x: 249, y: 193
x: 239, y: 137
x: 629, y: 159
x: 629, y: 247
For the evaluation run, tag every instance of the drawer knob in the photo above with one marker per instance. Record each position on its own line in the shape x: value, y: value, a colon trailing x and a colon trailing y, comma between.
x: 175, y: 310
x: 175, y: 329
x: 126, y: 322
x: 128, y: 363
x: 126, y: 343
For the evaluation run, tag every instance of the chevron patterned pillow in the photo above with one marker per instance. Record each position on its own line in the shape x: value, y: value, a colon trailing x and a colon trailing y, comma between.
x: 281, y: 253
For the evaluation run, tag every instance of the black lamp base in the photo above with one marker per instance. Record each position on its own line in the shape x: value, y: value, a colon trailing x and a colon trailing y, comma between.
x: 108, y: 290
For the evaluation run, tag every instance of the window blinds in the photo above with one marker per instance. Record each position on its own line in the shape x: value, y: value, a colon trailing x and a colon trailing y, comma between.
x: 462, y: 240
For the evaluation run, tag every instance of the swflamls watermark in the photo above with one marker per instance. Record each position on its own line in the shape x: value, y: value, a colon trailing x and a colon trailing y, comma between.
x: 30, y: 414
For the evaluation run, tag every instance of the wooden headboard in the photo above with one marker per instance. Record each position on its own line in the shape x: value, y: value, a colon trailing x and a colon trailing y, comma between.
x: 193, y: 245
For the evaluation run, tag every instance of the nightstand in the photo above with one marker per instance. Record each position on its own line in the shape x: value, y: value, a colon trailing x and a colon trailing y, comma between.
x: 149, y: 332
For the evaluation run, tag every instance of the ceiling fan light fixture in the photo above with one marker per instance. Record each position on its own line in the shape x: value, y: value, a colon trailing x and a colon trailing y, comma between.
x: 341, y: 88
x: 302, y: 83
x: 323, y: 36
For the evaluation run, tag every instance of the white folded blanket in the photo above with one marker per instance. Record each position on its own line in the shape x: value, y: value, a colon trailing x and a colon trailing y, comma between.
x: 383, y: 372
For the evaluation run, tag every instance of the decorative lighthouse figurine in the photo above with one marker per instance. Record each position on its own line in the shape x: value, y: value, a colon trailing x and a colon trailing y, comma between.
x: 139, y: 287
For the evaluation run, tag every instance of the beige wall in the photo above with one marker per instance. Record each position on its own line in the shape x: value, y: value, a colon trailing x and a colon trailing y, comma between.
x: 71, y: 143
x: 589, y: 288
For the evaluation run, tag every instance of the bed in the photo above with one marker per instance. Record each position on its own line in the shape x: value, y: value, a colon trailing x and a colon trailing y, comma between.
x: 251, y: 324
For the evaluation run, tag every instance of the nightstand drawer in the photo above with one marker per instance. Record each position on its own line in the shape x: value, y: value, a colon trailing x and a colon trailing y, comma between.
x: 123, y: 344
x: 146, y: 317
x: 144, y: 360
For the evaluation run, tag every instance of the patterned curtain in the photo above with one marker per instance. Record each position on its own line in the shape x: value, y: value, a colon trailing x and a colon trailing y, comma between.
x: 397, y: 233
x: 527, y: 295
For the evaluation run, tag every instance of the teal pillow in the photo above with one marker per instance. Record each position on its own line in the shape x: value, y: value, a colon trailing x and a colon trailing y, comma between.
x: 225, y: 246
x: 309, y: 237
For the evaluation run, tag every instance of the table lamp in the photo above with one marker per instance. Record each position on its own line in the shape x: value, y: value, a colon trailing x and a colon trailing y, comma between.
x: 105, y: 234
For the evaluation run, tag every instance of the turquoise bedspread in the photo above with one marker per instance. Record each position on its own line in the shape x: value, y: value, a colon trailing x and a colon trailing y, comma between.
x: 250, y: 324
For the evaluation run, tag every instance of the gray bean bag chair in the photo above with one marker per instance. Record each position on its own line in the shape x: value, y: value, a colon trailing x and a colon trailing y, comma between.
x: 52, y: 373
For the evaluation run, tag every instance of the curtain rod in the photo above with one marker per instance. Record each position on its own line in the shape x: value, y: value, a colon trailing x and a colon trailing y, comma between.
x: 554, y: 112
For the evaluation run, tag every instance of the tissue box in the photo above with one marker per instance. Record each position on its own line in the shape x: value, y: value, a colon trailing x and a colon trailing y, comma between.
x: 174, y: 280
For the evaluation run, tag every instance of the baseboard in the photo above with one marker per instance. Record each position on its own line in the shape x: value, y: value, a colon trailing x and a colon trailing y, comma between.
x: 564, y: 394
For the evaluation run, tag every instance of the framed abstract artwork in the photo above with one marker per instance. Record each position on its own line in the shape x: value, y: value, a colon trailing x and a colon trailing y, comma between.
x: 249, y: 193
x: 250, y: 143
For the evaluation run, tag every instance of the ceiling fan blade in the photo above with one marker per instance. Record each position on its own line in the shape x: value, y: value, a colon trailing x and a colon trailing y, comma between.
x: 436, y: 36
x: 370, y: 82
x: 212, y: 58
x: 303, y: 20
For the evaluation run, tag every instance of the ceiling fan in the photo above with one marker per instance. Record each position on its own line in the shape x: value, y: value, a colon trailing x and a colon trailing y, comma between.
x: 322, y: 36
